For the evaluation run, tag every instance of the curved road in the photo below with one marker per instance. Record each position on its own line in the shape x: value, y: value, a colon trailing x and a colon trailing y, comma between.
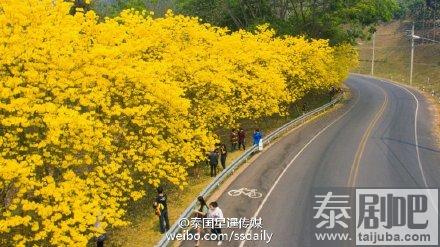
x: 381, y: 138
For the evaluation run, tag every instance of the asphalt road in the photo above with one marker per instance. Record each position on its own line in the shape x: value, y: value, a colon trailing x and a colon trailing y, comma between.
x: 381, y: 138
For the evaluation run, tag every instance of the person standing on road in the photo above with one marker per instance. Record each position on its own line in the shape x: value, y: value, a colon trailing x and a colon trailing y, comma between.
x: 216, y: 213
x: 223, y: 155
x: 213, y: 162
x: 164, y: 222
x: 234, y: 139
x: 201, y: 211
x: 241, y: 138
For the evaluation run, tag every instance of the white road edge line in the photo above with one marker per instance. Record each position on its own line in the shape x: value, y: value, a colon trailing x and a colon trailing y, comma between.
x: 293, y: 160
x: 416, y: 136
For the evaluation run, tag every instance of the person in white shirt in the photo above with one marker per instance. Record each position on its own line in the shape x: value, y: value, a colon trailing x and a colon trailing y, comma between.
x: 216, y: 213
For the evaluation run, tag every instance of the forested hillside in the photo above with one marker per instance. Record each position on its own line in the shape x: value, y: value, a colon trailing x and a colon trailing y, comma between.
x: 393, y: 46
x: 337, y: 20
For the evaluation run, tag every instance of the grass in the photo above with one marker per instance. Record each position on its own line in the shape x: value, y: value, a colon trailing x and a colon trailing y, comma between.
x: 144, y: 230
x: 392, y: 58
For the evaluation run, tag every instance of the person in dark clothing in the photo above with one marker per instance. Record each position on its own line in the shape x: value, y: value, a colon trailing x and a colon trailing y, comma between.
x: 234, y: 139
x: 241, y: 138
x: 223, y: 155
x: 100, y: 241
x: 164, y: 222
x: 213, y: 162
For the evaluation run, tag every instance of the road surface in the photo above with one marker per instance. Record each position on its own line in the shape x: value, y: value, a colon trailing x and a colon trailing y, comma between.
x: 381, y: 138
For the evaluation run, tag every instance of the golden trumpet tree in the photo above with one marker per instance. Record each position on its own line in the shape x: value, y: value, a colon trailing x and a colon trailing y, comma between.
x: 93, y: 111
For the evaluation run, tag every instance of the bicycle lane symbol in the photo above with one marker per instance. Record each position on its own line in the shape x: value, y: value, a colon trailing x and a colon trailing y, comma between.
x: 251, y: 193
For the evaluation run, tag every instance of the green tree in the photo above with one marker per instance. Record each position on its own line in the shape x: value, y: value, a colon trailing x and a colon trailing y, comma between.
x: 338, y: 20
x: 419, y: 10
x: 112, y: 8
x: 235, y: 14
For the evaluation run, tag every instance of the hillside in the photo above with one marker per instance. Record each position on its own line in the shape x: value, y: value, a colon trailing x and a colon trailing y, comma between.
x: 393, y: 52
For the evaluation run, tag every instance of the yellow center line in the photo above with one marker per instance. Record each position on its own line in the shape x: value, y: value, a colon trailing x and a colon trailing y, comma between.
x: 357, y: 158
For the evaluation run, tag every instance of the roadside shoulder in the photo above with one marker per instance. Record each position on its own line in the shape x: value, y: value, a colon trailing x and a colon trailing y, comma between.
x: 434, y: 108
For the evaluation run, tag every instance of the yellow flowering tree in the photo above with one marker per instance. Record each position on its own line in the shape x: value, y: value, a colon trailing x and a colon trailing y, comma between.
x: 92, y: 112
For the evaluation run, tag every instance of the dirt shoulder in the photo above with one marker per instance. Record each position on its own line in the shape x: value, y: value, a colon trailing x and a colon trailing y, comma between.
x: 434, y: 108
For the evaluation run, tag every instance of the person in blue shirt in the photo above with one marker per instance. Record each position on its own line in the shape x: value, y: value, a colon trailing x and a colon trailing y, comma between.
x: 257, y: 136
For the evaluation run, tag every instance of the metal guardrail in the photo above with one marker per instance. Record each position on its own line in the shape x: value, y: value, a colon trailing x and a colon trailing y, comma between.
x: 221, y: 177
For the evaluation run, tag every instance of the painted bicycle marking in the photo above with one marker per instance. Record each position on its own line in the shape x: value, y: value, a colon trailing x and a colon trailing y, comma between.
x: 252, y: 193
